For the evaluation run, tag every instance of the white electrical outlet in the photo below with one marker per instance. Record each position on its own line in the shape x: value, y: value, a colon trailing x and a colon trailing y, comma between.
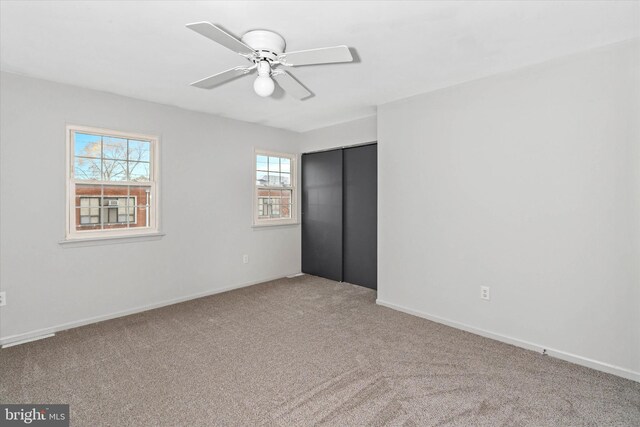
x: 485, y: 293
x: 3, y: 298
x: 245, y: 259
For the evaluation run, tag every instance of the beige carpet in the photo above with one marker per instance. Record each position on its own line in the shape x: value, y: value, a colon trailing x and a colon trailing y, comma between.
x: 303, y: 351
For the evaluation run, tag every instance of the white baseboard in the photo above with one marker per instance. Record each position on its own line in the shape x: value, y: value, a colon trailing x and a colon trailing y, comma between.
x: 45, y: 332
x: 559, y: 354
x: 40, y: 337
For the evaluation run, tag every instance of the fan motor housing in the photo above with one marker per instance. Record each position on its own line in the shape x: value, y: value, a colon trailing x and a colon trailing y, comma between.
x: 268, y: 45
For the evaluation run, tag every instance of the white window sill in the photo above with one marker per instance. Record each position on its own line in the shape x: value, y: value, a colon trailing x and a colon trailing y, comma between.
x: 275, y: 224
x: 110, y: 240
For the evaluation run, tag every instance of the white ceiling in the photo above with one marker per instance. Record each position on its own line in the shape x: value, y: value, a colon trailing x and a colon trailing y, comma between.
x: 142, y: 49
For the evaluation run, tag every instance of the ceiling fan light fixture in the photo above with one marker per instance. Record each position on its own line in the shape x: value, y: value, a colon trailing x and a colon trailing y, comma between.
x: 264, y: 86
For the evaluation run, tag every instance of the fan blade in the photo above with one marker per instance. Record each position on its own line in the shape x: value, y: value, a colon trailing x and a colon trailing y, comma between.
x: 218, y: 35
x: 223, y: 77
x: 324, y: 55
x: 291, y: 85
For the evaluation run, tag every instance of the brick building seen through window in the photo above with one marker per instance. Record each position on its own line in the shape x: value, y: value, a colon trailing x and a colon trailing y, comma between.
x: 111, y: 207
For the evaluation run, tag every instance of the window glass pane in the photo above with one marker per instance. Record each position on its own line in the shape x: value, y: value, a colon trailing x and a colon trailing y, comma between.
x: 139, y: 216
x: 268, y: 173
x: 286, y: 197
x: 285, y: 211
x: 114, y: 148
x: 275, y: 211
x: 114, y: 170
x: 88, y: 169
x: 274, y: 196
x: 112, y: 195
x: 274, y: 179
x: 274, y: 164
x: 88, y: 195
x: 140, y: 195
x: 285, y: 180
x: 114, y: 215
x: 139, y: 151
x: 87, y: 213
x: 126, y: 213
x: 86, y: 145
x: 263, y: 203
x: 262, y: 178
x: 87, y: 219
x: 138, y: 171
x: 285, y: 165
x: 261, y: 163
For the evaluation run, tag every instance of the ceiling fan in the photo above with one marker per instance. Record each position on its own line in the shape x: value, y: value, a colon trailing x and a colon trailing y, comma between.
x: 265, y: 49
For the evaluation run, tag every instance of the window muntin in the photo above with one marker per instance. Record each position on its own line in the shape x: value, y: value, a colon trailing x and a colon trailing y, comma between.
x: 111, y: 183
x: 274, y: 198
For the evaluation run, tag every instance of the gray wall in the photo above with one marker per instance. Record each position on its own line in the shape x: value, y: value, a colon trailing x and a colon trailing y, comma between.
x: 206, y: 189
x: 340, y: 135
x: 527, y: 182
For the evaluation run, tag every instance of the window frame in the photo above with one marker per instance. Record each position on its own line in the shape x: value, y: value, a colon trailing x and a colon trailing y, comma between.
x: 71, y: 233
x: 269, y: 222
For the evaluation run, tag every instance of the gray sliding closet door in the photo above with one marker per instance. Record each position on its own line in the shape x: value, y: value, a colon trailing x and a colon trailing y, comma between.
x: 322, y: 214
x: 360, y: 215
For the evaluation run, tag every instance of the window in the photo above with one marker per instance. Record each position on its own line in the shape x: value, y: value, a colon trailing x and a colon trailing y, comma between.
x: 275, y: 196
x: 112, y: 182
